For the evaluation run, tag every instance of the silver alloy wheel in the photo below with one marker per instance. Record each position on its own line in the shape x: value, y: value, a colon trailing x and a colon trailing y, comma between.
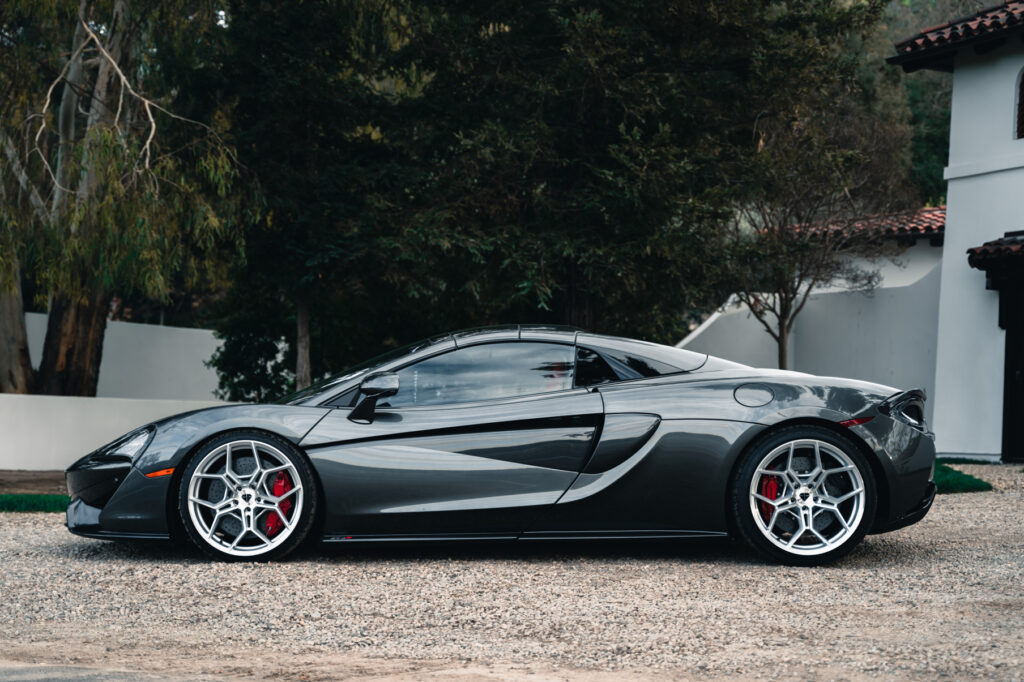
x: 807, y: 497
x: 231, y: 498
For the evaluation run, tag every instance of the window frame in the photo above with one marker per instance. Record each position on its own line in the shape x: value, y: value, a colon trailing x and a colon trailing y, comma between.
x: 1019, y: 109
x: 346, y: 395
x: 491, y: 342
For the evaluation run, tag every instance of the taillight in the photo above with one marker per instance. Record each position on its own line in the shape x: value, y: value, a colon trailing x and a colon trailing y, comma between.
x: 855, y: 422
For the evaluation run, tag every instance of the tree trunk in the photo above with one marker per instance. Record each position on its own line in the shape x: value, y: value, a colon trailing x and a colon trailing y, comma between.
x: 15, y: 366
x: 783, y: 348
x: 66, y: 116
x: 75, y: 328
x: 303, y: 371
x: 74, y: 346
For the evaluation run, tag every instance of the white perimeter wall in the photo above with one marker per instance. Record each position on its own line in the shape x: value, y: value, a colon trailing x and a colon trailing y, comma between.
x: 147, y: 372
x: 887, y: 336
x: 50, y: 432
x: 145, y: 360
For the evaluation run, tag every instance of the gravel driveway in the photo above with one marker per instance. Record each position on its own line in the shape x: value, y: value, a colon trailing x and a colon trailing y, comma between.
x: 942, y: 598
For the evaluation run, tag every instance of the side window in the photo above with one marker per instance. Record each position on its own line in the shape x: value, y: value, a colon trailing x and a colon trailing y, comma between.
x: 485, y: 372
x: 591, y: 369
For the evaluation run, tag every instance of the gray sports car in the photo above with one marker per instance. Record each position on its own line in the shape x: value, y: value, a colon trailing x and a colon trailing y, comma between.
x: 525, y: 433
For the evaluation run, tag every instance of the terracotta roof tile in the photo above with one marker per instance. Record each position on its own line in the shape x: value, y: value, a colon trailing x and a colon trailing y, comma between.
x: 923, y: 222
x: 934, y: 46
x: 997, y: 251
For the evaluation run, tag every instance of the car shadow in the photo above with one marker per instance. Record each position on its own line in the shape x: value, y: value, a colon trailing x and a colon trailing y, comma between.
x: 715, y: 550
x: 718, y: 550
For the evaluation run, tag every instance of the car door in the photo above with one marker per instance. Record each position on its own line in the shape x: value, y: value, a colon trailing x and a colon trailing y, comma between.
x: 476, y: 440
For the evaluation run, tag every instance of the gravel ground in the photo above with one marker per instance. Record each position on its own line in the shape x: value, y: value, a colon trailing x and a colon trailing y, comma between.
x: 943, y: 598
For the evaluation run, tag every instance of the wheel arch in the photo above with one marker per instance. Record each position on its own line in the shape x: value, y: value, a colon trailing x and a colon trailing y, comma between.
x: 174, y: 524
x: 877, y: 470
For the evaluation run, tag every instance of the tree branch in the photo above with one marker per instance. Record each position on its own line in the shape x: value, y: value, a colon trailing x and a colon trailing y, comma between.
x: 26, y: 184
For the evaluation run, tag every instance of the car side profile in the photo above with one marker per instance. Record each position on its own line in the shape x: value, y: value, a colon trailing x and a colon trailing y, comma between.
x: 525, y: 433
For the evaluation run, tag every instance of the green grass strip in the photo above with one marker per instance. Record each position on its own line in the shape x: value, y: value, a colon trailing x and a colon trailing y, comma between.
x: 33, y: 503
x: 949, y: 480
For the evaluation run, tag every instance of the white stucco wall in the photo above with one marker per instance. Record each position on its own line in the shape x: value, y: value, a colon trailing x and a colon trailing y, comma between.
x: 986, y: 176
x: 41, y: 432
x: 886, y: 336
x: 735, y: 334
x: 147, y: 372
x: 145, y: 361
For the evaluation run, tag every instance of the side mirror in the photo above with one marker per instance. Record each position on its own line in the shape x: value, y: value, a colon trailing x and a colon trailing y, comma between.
x: 372, y: 389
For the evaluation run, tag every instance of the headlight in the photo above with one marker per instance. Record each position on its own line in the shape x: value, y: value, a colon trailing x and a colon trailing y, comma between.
x: 131, y: 445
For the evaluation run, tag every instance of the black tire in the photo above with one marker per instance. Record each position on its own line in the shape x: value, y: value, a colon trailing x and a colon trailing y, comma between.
x: 284, y: 528
x: 744, y: 507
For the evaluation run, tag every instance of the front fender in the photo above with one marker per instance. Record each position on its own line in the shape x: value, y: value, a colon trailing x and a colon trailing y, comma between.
x: 175, y: 437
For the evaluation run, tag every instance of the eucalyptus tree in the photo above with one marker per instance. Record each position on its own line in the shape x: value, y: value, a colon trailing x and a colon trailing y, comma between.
x: 115, y: 191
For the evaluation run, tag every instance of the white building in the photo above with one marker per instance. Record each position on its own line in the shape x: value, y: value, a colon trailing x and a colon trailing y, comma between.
x: 939, y: 323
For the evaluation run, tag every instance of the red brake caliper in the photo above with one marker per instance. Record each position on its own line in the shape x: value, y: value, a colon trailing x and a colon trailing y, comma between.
x: 282, y: 484
x: 769, y: 489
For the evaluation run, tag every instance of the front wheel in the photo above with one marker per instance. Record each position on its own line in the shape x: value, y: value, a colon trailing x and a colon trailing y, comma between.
x: 247, y: 495
x: 803, y: 496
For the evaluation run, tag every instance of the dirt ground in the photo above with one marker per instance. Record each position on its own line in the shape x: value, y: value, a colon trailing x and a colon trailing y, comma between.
x: 32, y: 482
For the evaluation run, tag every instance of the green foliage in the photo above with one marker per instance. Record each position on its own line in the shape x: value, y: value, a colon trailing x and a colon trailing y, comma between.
x: 406, y: 168
x: 33, y: 503
x: 949, y: 480
x: 432, y: 165
x: 926, y: 93
x: 582, y: 153
x: 138, y: 214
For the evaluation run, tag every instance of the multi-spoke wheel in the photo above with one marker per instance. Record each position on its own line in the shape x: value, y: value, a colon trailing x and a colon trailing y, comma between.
x: 247, y: 495
x: 804, y: 496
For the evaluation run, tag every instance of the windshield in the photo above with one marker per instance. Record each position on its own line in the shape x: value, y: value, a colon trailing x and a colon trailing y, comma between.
x: 332, y: 381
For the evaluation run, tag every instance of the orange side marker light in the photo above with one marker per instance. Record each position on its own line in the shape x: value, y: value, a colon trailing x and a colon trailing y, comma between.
x: 162, y: 472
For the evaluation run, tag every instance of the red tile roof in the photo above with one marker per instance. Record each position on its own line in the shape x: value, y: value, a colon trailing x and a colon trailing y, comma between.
x: 934, y: 47
x: 923, y: 222
x: 998, y: 252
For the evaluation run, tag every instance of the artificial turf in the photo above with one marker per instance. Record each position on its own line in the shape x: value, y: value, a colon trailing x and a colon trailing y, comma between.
x: 949, y: 480
x: 33, y: 503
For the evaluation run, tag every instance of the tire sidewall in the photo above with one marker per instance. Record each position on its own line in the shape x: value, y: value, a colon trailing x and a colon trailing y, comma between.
x: 739, y: 498
x: 309, y: 490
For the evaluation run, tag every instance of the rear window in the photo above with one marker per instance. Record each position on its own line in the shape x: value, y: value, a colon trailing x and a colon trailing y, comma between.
x: 637, y: 359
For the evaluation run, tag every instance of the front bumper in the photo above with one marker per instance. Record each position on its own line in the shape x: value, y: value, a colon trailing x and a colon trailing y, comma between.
x: 112, y: 499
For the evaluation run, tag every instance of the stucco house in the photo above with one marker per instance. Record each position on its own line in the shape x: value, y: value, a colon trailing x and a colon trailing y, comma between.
x: 950, y: 316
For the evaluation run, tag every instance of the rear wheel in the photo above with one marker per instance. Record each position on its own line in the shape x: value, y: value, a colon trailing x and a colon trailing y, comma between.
x: 803, y: 496
x: 247, y: 495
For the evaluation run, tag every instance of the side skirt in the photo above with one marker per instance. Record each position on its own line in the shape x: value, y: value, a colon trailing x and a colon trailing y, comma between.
x: 451, y: 537
x: 535, y: 535
x: 622, y: 535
